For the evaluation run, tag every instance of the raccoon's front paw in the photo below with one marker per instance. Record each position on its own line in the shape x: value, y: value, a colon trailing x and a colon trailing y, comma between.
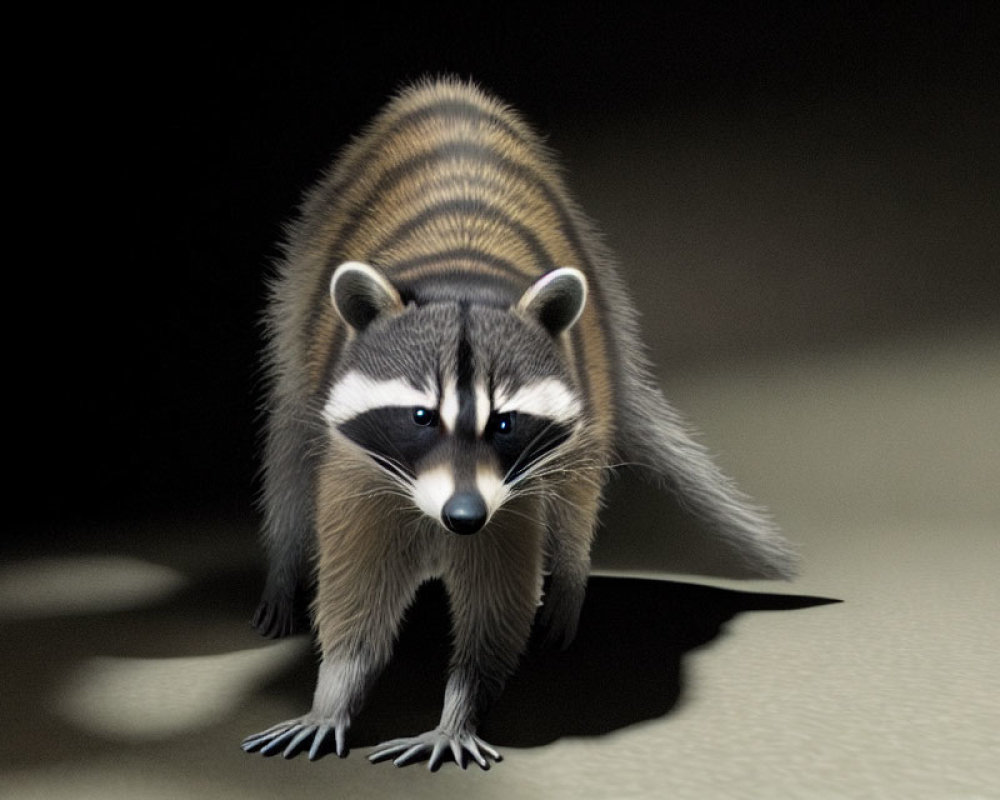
x: 435, y: 746
x: 292, y: 737
x: 559, y: 616
x: 277, y: 617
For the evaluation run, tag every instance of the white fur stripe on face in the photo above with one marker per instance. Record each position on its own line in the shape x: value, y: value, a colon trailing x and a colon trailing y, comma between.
x: 432, y: 489
x: 357, y: 393
x: 449, y: 405
x: 548, y: 397
x: 482, y: 408
x: 491, y: 487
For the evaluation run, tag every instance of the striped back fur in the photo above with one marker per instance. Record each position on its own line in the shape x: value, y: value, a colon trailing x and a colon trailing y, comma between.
x: 450, y: 195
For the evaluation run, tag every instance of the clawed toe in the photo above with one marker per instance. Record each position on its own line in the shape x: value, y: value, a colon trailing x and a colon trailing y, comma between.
x: 293, y: 737
x: 435, y: 747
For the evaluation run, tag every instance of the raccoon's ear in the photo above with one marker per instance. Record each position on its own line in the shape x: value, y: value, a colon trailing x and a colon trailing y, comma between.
x: 556, y: 299
x: 361, y: 293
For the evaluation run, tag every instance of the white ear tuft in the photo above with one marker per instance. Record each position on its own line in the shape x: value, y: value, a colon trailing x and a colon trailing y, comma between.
x: 361, y: 293
x: 556, y: 299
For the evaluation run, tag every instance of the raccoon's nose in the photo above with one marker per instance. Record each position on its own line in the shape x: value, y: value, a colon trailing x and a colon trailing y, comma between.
x: 465, y: 512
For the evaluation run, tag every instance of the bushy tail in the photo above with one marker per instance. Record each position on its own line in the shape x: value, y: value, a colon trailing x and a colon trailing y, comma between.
x: 653, y: 437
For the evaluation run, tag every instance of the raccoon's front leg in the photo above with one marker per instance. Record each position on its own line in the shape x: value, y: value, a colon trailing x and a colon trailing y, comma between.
x: 367, y: 575
x: 571, y: 524
x: 340, y: 690
x: 494, y: 583
x: 345, y: 675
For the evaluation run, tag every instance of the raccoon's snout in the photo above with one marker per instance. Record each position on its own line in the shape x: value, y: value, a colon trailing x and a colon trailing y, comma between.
x: 465, y: 512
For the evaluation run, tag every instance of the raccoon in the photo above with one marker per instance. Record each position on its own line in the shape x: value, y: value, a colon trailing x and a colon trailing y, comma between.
x: 455, y: 368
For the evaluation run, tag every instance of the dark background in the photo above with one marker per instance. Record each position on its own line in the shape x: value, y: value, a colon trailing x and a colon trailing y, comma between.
x: 161, y: 155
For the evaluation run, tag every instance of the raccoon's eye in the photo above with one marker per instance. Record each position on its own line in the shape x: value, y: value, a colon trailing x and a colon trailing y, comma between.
x: 424, y: 416
x: 503, y: 424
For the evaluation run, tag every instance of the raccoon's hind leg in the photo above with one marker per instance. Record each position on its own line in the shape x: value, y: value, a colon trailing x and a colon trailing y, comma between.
x: 494, y: 582
x: 571, y: 523
x: 288, y: 525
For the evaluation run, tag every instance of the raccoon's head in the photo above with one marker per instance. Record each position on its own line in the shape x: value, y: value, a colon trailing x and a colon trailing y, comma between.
x: 461, y: 402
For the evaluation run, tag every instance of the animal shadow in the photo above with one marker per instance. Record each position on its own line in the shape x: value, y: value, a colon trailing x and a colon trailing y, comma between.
x: 625, y: 666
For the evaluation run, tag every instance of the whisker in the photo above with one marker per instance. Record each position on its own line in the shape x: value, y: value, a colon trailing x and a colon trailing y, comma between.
x: 524, y: 458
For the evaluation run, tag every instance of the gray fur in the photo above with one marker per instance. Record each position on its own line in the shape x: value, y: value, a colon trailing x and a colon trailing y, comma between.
x: 289, y: 531
x: 653, y: 437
